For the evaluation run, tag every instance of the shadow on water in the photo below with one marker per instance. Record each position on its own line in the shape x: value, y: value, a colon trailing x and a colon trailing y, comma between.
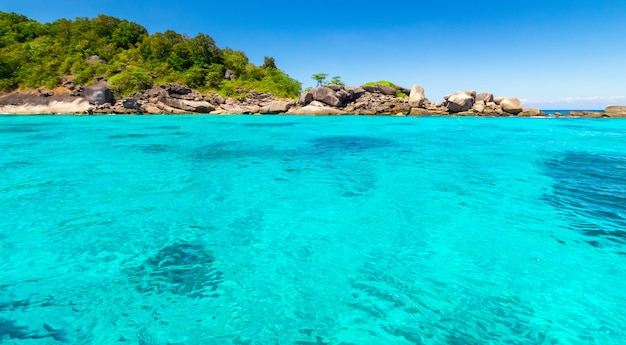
x: 384, y: 294
x: 590, y: 190
x: 348, y: 143
x: 164, y: 127
x: 25, y: 127
x: 218, y: 150
x: 236, y: 152
x: 270, y: 125
x: 131, y: 136
x: 18, y: 129
x: 12, y: 330
x: 153, y: 148
x: 181, y: 268
x: 14, y: 165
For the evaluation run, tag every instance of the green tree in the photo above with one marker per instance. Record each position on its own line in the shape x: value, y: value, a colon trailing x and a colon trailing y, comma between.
x: 236, y: 61
x: 104, y: 25
x: 203, y: 50
x: 195, y: 76
x: 130, y: 80
x: 127, y: 34
x: 336, y: 80
x: 157, y: 46
x: 215, y: 75
x: 320, y: 78
x: 268, y: 62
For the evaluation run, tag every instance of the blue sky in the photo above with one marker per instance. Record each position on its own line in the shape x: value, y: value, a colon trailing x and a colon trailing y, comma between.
x: 551, y: 54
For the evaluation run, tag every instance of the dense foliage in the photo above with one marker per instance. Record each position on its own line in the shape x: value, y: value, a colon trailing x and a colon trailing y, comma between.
x: 33, y: 54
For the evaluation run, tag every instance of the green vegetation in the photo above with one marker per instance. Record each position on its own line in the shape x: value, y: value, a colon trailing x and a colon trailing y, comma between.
x: 337, y: 81
x: 33, y: 54
x: 130, y: 80
x: 320, y: 78
x: 399, y: 93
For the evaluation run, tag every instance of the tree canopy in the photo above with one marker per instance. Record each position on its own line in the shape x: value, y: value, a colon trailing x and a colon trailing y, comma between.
x: 320, y: 78
x: 34, y: 54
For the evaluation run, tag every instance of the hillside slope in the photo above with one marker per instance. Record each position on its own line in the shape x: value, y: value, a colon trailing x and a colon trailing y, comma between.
x: 84, y: 51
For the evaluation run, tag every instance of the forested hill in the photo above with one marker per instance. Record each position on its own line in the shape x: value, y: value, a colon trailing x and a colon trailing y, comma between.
x: 34, y: 54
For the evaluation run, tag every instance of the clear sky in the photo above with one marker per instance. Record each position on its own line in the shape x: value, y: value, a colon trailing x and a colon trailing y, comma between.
x: 552, y: 54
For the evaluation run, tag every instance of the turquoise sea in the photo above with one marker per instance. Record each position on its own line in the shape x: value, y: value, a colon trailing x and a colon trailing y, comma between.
x: 312, y: 230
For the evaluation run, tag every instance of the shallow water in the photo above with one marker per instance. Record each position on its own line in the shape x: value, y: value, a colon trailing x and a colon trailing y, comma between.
x: 312, y: 230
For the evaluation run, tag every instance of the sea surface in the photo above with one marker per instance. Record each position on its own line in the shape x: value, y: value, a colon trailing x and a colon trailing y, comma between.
x: 312, y: 230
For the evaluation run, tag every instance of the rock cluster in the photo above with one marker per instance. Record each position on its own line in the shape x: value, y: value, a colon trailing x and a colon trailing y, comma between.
x: 362, y: 100
x: 326, y: 100
x: 387, y: 100
x: 471, y: 103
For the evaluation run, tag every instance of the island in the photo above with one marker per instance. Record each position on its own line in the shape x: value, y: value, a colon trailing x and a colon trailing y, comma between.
x: 106, y: 65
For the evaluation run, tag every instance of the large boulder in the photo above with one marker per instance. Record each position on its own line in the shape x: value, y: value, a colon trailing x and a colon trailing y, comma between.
x: 531, y: 112
x: 479, y: 107
x: 404, y: 90
x: 326, y: 95
x: 485, y: 97
x: 615, y: 111
x: 511, y: 105
x: 426, y: 112
x: 400, y: 108
x: 386, y: 90
x: 344, y: 96
x: 460, y: 101
x: 176, y: 90
x: 239, y: 109
x: 130, y: 104
x: 584, y: 113
x: 218, y: 99
x: 276, y: 107
x: 305, y: 98
x: 335, y: 87
x: 96, y: 58
x: 313, y: 110
x: 369, y: 88
x: 189, y: 106
x: 354, y: 92
x: 417, y: 97
x: 229, y: 75
x: 98, y: 94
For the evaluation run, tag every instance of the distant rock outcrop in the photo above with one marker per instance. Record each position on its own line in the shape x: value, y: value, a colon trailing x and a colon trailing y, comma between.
x: 615, y: 111
x: 530, y: 112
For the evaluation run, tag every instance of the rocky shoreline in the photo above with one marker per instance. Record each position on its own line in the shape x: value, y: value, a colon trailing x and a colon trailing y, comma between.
x: 327, y: 100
